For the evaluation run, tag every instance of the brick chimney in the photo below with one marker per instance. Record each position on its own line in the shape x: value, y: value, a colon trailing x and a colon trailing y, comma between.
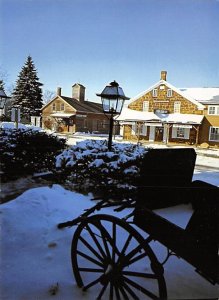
x: 59, y: 91
x: 163, y: 75
x: 78, y: 92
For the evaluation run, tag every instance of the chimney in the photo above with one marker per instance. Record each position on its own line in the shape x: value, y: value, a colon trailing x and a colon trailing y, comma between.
x: 163, y: 75
x: 59, y: 91
x: 78, y: 92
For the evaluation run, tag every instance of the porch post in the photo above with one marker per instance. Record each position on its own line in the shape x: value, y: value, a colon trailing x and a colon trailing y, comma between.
x: 197, y: 136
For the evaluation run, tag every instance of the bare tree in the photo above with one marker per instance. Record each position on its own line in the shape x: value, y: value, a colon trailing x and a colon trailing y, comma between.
x: 48, y: 95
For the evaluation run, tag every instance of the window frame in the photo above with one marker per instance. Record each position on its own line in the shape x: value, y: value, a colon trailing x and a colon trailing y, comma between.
x: 215, y: 110
x: 145, y: 106
x: 54, y: 106
x: 169, y: 93
x: 154, y: 92
x: 210, y: 134
x: 62, y: 106
x: 177, y: 107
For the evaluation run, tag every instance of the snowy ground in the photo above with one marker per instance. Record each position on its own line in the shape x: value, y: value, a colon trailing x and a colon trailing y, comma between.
x: 35, y: 255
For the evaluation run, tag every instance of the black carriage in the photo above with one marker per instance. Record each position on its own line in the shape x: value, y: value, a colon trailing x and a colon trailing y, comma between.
x: 111, y: 253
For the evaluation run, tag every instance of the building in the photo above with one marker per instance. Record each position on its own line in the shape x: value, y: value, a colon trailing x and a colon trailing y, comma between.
x: 75, y: 114
x: 166, y: 114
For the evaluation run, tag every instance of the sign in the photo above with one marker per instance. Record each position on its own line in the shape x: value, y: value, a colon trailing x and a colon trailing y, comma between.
x: 15, y: 114
x: 161, y: 111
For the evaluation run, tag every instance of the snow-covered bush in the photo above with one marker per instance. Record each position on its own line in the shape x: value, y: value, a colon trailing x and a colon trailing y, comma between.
x: 25, y: 151
x: 89, y: 163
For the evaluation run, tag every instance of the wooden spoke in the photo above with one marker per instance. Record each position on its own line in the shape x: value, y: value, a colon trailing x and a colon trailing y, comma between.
x: 130, y: 291
x: 92, y: 270
x: 96, y: 242
x: 102, y: 291
x: 139, y: 274
x: 140, y: 288
x: 92, y: 283
x: 90, y: 258
x: 90, y: 248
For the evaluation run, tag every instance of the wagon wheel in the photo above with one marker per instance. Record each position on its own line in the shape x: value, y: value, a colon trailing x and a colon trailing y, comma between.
x: 112, y: 259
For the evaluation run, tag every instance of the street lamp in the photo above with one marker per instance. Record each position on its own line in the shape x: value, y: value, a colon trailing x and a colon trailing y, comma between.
x: 112, y: 98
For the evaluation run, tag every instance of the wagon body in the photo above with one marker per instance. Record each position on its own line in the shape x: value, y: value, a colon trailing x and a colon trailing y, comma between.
x: 165, y: 180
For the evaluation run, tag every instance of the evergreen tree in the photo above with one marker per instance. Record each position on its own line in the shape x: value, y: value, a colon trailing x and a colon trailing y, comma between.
x: 27, y: 93
x: 2, y: 84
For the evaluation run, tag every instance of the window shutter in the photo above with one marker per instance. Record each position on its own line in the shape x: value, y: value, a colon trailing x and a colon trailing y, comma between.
x: 144, y: 130
x: 186, y: 133
x: 174, y: 132
x: 134, y: 129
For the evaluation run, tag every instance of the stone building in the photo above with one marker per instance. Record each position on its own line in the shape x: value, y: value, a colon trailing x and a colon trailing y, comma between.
x: 165, y: 114
x: 74, y: 114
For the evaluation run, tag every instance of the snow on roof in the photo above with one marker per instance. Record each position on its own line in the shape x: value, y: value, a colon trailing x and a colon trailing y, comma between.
x: 204, y: 95
x: 184, y: 118
x: 189, y: 97
x: 136, y: 115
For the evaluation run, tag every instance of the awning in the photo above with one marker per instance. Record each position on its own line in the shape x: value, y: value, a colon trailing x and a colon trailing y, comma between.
x: 62, y: 115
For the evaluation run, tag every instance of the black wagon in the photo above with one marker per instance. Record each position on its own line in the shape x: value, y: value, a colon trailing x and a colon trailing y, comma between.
x: 114, y: 253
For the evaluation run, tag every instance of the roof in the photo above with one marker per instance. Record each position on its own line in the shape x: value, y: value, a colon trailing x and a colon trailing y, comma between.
x: 143, y: 116
x: 187, y: 96
x: 85, y: 106
x: 204, y: 95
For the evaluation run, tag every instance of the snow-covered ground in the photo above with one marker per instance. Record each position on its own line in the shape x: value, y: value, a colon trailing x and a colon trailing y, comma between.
x: 35, y: 261
x: 35, y: 255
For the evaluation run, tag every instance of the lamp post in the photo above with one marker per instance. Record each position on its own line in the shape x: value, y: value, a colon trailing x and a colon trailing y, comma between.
x: 112, y: 98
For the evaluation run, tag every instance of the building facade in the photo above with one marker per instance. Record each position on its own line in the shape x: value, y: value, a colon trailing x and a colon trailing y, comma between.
x: 166, y: 114
x: 74, y: 114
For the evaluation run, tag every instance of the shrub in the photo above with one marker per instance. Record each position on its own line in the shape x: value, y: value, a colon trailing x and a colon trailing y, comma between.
x: 90, y: 166
x: 25, y: 151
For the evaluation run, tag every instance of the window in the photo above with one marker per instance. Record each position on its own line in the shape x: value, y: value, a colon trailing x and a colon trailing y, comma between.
x: 62, y: 106
x: 176, y: 108
x: 213, y: 110
x: 180, y: 133
x: 145, y: 106
x: 214, y: 134
x: 53, y: 106
x: 169, y: 93
x: 154, y: 92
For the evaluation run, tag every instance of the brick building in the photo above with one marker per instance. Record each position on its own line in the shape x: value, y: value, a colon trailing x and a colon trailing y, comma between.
x: 74, y: 114
x: 164, y: 113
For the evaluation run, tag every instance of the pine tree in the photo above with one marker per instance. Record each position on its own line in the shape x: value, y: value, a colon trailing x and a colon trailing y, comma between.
x: 27, y: 93
x: 2, y: 85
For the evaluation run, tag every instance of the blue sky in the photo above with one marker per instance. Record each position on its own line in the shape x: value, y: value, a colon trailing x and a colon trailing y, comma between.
x: 96, y: 41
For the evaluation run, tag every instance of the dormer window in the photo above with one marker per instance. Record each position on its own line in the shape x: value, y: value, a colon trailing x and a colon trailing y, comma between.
x: 169, y: 93
x: 154, y: 92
